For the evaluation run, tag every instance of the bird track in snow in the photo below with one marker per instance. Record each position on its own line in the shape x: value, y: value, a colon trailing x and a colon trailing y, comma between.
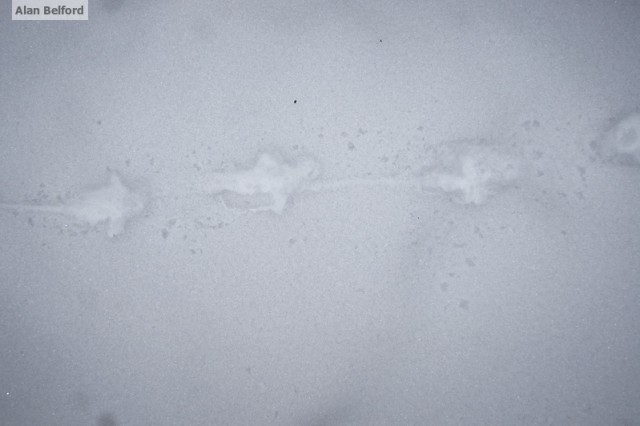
x: 113, y: 203
x: 469, y: 170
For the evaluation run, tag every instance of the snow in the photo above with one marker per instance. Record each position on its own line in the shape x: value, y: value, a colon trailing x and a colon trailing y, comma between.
x: 339, y: 213
x: 113, y: 203
x: 621, y: 143
x: 270, y: 176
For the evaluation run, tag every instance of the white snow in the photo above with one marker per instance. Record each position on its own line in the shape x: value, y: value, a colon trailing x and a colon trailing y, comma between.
x: 113, y: 203
x: 271, y: 176
x: 621, y: 143
x: 353, y: 213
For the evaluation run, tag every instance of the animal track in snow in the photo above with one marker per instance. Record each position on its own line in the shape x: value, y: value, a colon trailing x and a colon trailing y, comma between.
x: 113, y: 203
x: 266, y: 186
x: 621, y: 143
x: 470, y: 170
x: 473, y: 170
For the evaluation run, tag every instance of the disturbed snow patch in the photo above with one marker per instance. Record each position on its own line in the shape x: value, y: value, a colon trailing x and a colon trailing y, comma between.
x: 621, y: 143
x: 113, y: 203
x: 266, y: 186
x: 472, y: 170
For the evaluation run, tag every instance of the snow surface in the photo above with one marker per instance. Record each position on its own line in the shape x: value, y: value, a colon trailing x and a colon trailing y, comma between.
x: 113, y: 203
x: 621, y: 143
x: 333, y: 213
